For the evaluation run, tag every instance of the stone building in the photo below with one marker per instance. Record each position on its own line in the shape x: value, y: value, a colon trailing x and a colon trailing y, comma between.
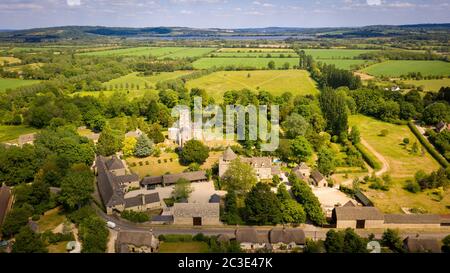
x: 113, y: 183
x: 287, y: 238
x: 196, y: 214
x: 358, y: 217
x: 261, y: 165
x: 136, y: 242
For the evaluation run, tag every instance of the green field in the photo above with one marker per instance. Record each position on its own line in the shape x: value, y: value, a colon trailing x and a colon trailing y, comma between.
x: 11, y: 132
x: 183, y: 247
x: 276, y: 82
x: 151, y: 81
x: 254, y: 54
x: 161, y: 52
x: 343, y: 64
x: 398, y: 68
x: 131, y: 94
x: 14, y: 83
x: 430, y: 85
x: 257, y: 50
x: 335, y: 53
x: 402, y: 164
x: 258, y: 63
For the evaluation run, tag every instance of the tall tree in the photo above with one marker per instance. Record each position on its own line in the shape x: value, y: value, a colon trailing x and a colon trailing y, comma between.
x: 27, y: 241
x: 334, y: 108
x: 194, y: 151
x: 239, y: 177
x: 144, y: 146
x: 77, y: 187
x: 262, y: 206
x: 301, y: 149
x: 110, y: 141
x: 182, y: 189
x: 327, y: 161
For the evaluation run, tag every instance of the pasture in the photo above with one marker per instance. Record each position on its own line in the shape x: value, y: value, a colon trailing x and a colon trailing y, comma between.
x: 430, y: 85
x: 12, y: 132
x: 343, y: 63
x: 403, y: 165
x: 335, y: 53
x: 6, y: 84
x: 256, y: 50
x: 258, y: 63
x: 253, y: 54
x: 135, y: 81
x: 276, y: 82
x: 398, y: 68
x: 160, y: 52
x: 131, y: 94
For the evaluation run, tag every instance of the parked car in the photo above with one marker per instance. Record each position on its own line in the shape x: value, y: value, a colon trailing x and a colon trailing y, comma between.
x: 111, y: 225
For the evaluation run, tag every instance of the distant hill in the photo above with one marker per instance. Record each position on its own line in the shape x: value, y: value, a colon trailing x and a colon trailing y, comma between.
x: 93, y: 32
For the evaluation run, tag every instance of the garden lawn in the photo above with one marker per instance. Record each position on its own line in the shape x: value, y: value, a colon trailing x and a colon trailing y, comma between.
x: 257, y: 63
x: 403, y: 165
x: 12, y: 132
x: 14, y: 83
x: 154, y: 167
x: 430, y: 85
x: 51, y: 219
x: 183, y: 247
x: 276, y: 82
x: 398, y: 68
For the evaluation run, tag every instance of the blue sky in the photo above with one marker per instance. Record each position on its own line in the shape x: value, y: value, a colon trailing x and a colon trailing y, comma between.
x: 16, y: 14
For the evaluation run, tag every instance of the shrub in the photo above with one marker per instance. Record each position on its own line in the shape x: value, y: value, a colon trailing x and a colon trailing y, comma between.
x: 159, y: 161
x: 428, y: 146
x: 412, y: 186
x: 368, y: 157
x: 133, y: 216
x: 384, y: 133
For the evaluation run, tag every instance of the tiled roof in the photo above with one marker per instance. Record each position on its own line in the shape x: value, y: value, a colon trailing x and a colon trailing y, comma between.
x: 412, y: 219
x: 287, y: 236
x: 358, y: 213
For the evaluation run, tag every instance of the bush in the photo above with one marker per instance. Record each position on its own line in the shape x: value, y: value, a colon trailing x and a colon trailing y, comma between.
x: 173, y: 238
x: 384, y: 133
x: 133, y: 216
x: 412, y: 186
x: 200, y: 237
x: 36, y: 217
x: 368, y: 157
x: 428, y: 146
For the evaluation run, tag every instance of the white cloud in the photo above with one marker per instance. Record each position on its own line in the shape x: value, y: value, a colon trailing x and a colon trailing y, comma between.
x: 374, y: 2
x: 186, y: 12
x: 73, y: 3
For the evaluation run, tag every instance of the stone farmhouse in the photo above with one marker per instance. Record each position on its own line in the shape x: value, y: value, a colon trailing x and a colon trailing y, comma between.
x: 314, y: 177
x: 136, y: 242
x: 287, y: 238
x: 114, y: 182
x: 262, y: 165
x: 422, y: 245
x: 151, y: 182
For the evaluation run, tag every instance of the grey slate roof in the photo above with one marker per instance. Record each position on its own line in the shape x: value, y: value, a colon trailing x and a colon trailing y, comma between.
x: 215, y: 198
x: 126, y: 178
x: 316, y: 176
x: 229, y: 155
x: 137, y: 200
x: 196, y: 210
x: 114, y: 163
x: 361, y: 197
x: 358, y: 213
x: 173, y: 178
x: 415, y: 245
x: 412, y: 219
x: 287, y: 236
x: 251, y: 235
x: 259, y: 162
x: 110, y: 191
x: 162, y: 218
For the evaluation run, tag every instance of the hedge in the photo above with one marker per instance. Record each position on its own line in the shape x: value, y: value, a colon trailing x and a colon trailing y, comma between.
x: 368, y: 157
x: 430, y: 148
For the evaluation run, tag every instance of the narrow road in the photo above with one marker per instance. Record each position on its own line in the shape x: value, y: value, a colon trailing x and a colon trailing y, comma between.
x: 384, y: 168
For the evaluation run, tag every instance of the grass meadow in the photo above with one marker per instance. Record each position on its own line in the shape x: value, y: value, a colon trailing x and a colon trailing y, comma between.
x: 398, y: 68
x: 276, y: 82
x: 258, y: 63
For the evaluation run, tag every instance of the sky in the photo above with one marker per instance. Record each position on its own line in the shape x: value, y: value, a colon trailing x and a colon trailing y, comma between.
x: 20, y: 14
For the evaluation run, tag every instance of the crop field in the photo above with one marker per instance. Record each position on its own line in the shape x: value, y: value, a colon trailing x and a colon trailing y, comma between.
x: 14, y: 83
x: 258, y: 63
x: 430, y: 85
x: 343, y: 63
x: 12, y: 132
x: 335, y: 53
x: 9, y: 60
x: 134, y: 80
x: 403, y: 165
x: 161, y: 52
x: 398, y: 68
x: 254, y: 54
x: 276, y: 82
x: 257, y: 50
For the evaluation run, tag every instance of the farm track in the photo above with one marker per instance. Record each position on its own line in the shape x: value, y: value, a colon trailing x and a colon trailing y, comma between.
x: 385, y: 164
